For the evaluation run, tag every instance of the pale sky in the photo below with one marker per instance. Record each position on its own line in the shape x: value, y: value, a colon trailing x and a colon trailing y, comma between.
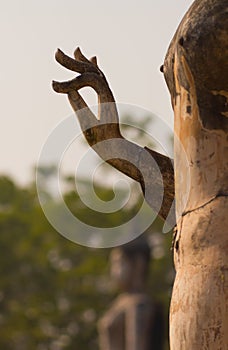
x: 130, y: 39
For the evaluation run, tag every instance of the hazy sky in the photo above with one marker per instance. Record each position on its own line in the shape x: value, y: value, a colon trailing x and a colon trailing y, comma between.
x: 130, y: 39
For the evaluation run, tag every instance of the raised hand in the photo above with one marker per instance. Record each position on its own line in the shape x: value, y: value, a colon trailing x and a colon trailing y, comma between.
x: 106, y: 125
x: 103, y: 134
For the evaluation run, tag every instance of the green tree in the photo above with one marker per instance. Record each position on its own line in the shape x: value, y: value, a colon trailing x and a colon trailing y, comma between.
x: 53, y: 291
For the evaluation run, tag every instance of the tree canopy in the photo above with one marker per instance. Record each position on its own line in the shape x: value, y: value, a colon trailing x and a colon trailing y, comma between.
x: 53, y: 291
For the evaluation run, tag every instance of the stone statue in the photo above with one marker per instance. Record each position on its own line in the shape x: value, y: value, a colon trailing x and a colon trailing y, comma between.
x: 128, y: 324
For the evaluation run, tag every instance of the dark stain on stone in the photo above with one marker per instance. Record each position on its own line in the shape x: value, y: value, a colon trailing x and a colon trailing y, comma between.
x: 188, y: 109
x: 181, y: 41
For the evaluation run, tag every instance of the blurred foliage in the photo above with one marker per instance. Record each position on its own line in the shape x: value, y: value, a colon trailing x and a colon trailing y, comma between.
x: 53, y: 291
x: 137, y: 130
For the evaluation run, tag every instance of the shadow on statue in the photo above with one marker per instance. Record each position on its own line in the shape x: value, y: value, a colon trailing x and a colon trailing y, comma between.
x: 134, y: 321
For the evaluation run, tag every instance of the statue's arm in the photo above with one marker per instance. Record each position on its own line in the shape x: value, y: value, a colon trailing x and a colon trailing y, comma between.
x: 104, y: 136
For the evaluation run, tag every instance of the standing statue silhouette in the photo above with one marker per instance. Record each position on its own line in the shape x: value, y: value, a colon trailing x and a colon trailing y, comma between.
x: 131, y: 321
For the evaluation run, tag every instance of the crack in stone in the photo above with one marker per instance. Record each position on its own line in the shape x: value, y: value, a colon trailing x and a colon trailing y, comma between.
x: 221, y: 194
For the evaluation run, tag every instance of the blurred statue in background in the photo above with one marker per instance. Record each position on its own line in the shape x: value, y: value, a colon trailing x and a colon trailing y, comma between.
x: 130, y: 322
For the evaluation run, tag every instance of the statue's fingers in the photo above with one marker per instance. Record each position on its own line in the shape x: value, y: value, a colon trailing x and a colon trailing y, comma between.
x: 85, y: 116
x: 78, y: 55
x: 71, y: 64
x: 94, y: 60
